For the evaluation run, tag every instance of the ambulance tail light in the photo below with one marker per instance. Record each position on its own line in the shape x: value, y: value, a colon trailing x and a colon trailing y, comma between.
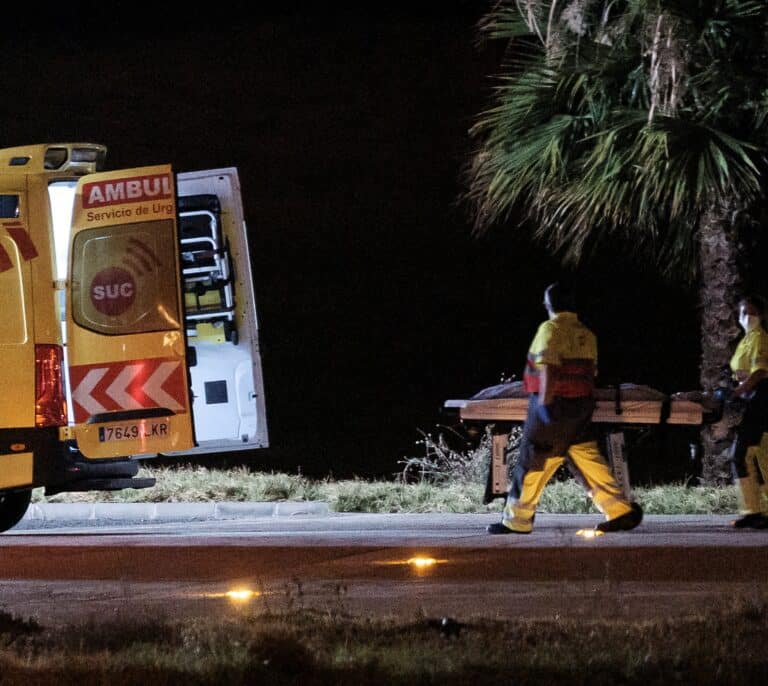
x: 50, y: 398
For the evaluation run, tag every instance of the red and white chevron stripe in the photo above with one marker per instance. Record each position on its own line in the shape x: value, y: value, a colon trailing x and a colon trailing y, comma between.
x: 132, y: 385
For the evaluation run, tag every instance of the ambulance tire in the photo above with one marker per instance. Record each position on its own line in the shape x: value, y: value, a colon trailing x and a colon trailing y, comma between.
x: 13, y: 506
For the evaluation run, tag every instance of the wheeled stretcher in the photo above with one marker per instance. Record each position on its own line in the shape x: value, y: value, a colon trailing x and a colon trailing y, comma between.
x: 505, y: 405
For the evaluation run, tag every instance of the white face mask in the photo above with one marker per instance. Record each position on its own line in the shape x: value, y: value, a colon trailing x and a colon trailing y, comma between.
x: 748, y: 322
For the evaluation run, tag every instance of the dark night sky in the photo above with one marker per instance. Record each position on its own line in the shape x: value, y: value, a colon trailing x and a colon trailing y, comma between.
x: 349, y: 130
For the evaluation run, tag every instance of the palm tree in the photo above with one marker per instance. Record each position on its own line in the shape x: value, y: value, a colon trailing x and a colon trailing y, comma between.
x: 632, y: 120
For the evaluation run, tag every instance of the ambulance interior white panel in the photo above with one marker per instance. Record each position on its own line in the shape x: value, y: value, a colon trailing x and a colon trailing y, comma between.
x: 222, y: 330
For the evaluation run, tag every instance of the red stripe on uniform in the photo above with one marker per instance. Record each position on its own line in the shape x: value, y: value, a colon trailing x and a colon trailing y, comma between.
x: 23, y: 241
x: 5, y: 260
x: 575, y: 378
x: 531, y: 376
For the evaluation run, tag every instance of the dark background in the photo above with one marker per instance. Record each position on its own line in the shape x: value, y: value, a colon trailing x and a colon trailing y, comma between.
x: 349, y: 128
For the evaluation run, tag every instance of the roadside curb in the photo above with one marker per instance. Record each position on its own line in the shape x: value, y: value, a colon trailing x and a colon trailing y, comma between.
x: 168, y: 512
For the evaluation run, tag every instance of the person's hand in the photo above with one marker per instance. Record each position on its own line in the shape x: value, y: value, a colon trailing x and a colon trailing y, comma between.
x: 740, y: 391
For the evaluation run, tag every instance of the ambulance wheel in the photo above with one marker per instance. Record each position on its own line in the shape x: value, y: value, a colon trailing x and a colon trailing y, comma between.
x: 13, y: 506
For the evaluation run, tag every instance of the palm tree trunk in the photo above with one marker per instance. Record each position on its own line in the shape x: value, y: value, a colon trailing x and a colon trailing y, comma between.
x: 720, y: 283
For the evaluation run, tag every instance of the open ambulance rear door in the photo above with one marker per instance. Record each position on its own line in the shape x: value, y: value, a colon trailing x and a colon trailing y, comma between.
x: 162, y: 337
x: 125, y: 338
x: 220, y: 314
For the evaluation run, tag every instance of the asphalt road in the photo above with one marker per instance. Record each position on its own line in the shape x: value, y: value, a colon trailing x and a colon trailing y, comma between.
x: 99, y: 569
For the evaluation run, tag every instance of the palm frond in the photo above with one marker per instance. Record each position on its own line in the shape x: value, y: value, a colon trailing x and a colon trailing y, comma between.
x: 569, y: 147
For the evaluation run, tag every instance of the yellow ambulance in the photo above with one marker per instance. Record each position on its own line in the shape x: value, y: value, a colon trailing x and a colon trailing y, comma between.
x: 129, y: 321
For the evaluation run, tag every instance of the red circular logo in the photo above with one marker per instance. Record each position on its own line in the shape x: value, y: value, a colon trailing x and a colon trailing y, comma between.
x: 113, y: 291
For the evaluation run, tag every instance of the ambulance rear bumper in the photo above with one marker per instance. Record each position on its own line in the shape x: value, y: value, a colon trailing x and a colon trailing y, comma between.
x: 79, y: 474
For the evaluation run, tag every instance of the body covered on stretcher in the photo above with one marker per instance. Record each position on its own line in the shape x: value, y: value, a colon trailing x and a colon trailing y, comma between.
x: 507, y: 403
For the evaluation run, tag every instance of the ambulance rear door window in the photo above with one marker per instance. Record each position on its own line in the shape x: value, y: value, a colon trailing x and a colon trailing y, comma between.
x: 124, y: 278
x: 9, y: 206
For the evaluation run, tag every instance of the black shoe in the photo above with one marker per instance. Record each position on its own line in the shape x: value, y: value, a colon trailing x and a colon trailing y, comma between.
x: 499, y: 528
x: 624, y: 523
x: 756, y: 520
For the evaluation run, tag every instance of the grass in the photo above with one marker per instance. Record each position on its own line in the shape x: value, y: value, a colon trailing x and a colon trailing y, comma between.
x: 199, y: 484
x: 719, y: 644
x: 441, y: 479
x: 715, y: 646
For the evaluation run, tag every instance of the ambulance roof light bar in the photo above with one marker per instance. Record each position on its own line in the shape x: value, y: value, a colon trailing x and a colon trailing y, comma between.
x: 74, y: 159
x: 80, y: 159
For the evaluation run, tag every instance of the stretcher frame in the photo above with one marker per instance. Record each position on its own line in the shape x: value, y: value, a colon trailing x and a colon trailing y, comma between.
x: 205, y: 268
x: 616, y: 413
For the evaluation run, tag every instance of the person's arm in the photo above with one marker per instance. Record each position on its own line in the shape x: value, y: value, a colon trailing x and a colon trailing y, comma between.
x: 758, y: 367
x: 748, y: 385
x: 544, y: 354
x: 546, y: 385
x: 546, y: 393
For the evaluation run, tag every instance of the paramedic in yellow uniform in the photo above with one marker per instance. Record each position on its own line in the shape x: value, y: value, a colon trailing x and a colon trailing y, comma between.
x: 749, y: 365
x: 559, y: 378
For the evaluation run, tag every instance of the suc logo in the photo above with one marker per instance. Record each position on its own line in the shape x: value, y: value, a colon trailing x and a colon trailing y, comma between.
x: 113, y: 291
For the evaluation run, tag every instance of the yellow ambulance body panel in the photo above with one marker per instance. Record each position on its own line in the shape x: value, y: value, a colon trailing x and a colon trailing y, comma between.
x: 125, y: 329
x: 129, y: 321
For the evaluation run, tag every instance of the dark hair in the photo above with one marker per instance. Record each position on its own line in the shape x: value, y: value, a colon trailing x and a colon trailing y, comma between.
x: 756, y: 301
x: 561, y: 297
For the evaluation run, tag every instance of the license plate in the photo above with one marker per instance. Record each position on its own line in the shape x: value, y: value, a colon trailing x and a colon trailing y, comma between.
x: 132, y: 431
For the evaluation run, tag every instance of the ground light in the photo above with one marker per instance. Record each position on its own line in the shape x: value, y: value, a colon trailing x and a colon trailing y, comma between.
x: 241, y: 595
x: 589, y: 533
x: 419, y: 564
x: 236, y: 595
x: 422, y: 563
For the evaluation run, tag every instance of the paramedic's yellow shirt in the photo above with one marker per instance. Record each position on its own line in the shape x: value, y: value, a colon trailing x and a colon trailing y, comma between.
x: 752, y: 352
x: 563, y: 338
x: 568, y: 346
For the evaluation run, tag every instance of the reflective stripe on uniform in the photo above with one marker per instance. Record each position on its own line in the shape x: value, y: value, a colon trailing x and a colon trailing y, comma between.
x: 531, y: 376
x: 574, y: 378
